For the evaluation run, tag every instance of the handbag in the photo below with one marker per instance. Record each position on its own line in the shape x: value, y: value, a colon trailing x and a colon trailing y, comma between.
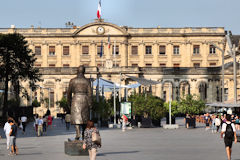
x: 96, y: 138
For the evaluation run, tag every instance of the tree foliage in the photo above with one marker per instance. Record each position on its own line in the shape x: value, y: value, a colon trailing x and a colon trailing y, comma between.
x: 191, y: 104
x: 63, y: 104
x: 147, y: 105
x: 35, y: 103
x: 103, y: 108
x: 174, y: 107
x: 16, y: 63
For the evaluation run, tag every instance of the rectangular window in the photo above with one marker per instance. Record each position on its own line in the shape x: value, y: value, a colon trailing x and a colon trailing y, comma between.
x: 65, y: 65
x: 162, y: 65
x: 176, y: 50
x: 134, y: 65
x: 212, y: 64
x: 65, y: 50
x: 99, y: 50
x: 51, y: 50
x: 212, y: 49
x: 196, y: 49
x: 134, y: 50
x: 176, y: 65
x: 196, y: 65
x: 162, y: 50
x: 148, y: 49
x: 38, y: 50
x: 86, y: 65
x: 51, y: 65
x: 148, y: 65
x: 116, y: 50
x: 85, y: 50
x: 51, y: 99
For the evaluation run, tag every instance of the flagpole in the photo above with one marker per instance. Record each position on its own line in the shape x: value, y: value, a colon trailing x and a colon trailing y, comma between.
x: 114, y: 53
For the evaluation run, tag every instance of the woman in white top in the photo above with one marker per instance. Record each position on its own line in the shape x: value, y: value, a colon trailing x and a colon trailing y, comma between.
x: 7, y: 129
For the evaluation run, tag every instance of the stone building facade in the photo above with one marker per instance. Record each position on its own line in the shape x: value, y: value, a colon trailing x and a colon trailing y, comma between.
x: 182, y: 59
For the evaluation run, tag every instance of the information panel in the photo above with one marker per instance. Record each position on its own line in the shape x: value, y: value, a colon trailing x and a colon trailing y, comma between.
x: 126, y: 109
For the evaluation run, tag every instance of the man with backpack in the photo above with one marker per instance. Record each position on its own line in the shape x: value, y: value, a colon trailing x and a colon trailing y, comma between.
x: 228, y: 129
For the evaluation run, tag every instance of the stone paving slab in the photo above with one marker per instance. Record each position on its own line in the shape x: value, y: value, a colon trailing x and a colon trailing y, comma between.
x: 135, y: 144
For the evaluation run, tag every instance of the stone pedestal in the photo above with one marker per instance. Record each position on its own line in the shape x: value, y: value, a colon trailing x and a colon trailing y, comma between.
x: 172, y: 126
x: 74, y: 148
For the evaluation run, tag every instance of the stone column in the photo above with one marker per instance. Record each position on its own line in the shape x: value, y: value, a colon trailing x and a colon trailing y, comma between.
x: 93, y: 54
x: 155, y: 52
x: 58, y: 93
x: 44, y: 54
x: 76, y: 53
x: 186, y: 55
x: 204, y: 51
x: 210, y: 91
x: 73, y: 58
x: 141, y: 54
x: 159, y: 90
x: 59, y: 53
x: 124, y: 53
x: 169, y: 53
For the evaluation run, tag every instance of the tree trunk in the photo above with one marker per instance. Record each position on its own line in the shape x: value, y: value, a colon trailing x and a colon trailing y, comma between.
x: 5, y: 101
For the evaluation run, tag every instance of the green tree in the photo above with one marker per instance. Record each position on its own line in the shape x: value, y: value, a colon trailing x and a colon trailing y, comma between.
x: 35, y: 103
x: 63, y: 104
x: 147, y: 105
x: 191, y: 104
x: 174, y: 107
x: 16, y: 64
x: 104, y: 108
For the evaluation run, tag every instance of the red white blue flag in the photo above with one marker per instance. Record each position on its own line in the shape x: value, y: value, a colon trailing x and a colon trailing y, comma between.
x: 99, y: 11
x: 109, y: 43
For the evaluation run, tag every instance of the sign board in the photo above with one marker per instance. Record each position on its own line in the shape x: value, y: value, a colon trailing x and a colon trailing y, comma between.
x: 126, y: 109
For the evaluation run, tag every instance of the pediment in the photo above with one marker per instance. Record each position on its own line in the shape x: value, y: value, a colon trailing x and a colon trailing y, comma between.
x: 100, y: 29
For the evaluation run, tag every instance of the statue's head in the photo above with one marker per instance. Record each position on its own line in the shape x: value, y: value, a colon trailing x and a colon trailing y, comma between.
x: 81, y: 70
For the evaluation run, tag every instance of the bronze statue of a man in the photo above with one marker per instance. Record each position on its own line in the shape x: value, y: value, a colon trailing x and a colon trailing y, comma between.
x: 80, y: 100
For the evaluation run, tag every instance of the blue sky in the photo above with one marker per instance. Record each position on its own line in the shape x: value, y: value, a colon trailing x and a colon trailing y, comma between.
x: 133, y: 13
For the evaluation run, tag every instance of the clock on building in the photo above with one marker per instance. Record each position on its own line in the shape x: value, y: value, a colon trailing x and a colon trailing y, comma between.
x: 100, y: 30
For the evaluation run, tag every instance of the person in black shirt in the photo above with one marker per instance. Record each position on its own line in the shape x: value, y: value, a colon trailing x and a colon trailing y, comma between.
x: 13, y: 135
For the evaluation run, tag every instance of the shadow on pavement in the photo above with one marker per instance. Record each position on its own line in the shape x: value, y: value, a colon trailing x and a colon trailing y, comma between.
x: 23, y: 154
x: 106, y: 153
x: 26, y: 148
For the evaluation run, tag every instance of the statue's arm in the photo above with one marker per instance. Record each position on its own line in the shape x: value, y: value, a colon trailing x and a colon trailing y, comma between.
x: 69, y: 95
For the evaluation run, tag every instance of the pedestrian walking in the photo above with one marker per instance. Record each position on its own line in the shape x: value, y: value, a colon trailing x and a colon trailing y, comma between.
x: 7, y: 129
x: 217, y: 122
x: 49, y: 120
x: 36, y: 123
x: 237, y: 123
x: 229, y: 132
x: 40, y: 126
x: 88, y: 142
x: 13, y: 135
x: 67, y: 120
x: 45, y: 124
x: 214, y: 128
x: 24, y: 122
x: 124, y: 122
x: 207, y: 121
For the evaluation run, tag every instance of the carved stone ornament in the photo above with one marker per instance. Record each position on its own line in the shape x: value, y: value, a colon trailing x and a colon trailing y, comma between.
x: 109, y: 63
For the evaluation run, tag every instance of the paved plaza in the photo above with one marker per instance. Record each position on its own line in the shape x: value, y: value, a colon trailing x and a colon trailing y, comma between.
x: 135, y: 144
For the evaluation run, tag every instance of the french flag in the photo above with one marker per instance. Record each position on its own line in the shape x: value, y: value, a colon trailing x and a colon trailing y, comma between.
x: 109, y: 42
x: 99, y: 11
